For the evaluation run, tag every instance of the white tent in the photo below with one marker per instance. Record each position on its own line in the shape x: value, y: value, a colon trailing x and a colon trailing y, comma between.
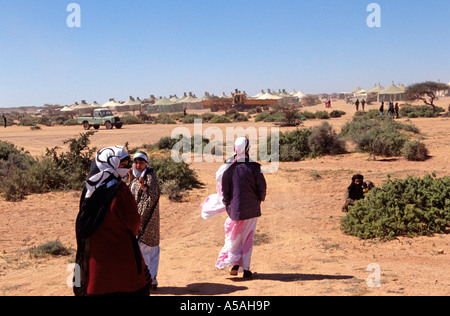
x: 300, y: 95
x: 259, y: 94
x: 269, y: 96
x: 110, y: 104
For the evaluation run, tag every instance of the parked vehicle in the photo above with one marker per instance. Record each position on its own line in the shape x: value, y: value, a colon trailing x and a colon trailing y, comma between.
x: 100, y: 117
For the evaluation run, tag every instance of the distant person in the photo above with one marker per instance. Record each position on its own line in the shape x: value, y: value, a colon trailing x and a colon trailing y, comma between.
x: 397, y: 110
x: 357, y: 105
x: 391, y: 108
x: 328, y: 103
x: 4, y: 120
x: 144, y: 186
x: 363, y: 103
x: 108, y: 253
x: 354, y: 192
x: 241, y: 187
x: 382, y: 109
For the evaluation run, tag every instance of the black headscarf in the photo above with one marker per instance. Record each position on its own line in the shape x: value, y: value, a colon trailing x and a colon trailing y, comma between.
x: 355, y: 191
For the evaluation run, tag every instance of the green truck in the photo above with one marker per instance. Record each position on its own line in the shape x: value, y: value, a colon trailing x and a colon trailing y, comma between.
x: 100, y: 117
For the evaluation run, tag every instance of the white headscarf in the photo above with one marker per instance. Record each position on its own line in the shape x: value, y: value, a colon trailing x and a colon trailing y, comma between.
x: 241, y: 146
x: 142, y: 155
x: 107, y: 160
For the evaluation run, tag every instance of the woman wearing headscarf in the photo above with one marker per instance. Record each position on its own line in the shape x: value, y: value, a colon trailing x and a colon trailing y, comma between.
x: 242, y: 187
x: 144, y: 186
x: 108, y: 254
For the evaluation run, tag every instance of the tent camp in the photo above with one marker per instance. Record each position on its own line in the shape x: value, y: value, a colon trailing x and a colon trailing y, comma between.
x: 391, y: 93
x: 130, y: 105
x: 111, y: 104
x: 190, y: 102
x: 164, y: 105
x: 84, y: 108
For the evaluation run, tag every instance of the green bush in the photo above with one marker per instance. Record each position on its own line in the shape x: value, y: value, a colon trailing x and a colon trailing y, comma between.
x: 419, y: 111
x: 403, y: 207
x: 324, y: 141
x: 379, y: 136
x: 131, y: 119
x: 220, y: 119
x: 415, y: 151
x: 322, y: 115
x: 337, y: 113
x: 167, y: 169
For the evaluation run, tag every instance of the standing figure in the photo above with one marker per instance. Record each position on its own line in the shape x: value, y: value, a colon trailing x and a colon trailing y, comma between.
x: 357, y: 104
x: 144, y: 186
x: 108, y: 255
x: 243, y: 188
x: 382, y: 109
x: 397, y: 110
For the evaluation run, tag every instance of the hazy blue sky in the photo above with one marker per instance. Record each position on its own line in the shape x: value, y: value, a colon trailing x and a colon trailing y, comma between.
x: 143, y: 47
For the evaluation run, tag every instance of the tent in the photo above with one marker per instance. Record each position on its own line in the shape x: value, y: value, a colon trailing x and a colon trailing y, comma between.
x: 299, y: 95
x: 190, y: 102
x: 376, y: 89
x: 391, y: 93
x: 84, y: 108
x: 130, y: 105
x: 164, y: 105
x: 111, y: 104
x: 259, y: 94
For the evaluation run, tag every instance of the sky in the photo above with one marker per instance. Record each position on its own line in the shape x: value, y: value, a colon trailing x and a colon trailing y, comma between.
x: 146, y: 47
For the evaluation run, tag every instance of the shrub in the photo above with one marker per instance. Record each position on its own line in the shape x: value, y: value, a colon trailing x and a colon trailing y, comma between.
x: 378, y: 136
x: 52, y: 248
x: 164, y: 118
x: 419, y: 111
x: 336, y: 113
x: 167, y: 169
x: 415, y: 151
x: 76, y: 162
x: 172, y: 189
x: 131, y: 119
x: 322, y: 115
x: 220, y: 119
x: 323, y: 140
x: 403, y: 207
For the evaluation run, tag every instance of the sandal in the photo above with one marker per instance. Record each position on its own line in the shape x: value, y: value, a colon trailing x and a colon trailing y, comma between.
x: 234, y: 270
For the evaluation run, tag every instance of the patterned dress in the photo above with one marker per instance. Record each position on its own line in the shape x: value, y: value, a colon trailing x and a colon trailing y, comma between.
x: 148, y: 207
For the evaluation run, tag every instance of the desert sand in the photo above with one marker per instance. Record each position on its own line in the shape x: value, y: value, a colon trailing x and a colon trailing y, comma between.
x: 299, y: 248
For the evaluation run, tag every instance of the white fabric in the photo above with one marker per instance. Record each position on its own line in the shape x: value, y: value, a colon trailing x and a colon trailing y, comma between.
x: 138, y: 174
x: 151, y: 258
x: 213, y: 204
x: 238, y: 246
x: 107, y: 161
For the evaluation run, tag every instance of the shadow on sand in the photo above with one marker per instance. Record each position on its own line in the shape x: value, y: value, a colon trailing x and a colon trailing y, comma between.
x: 200, y: 289
x: 292, y: 277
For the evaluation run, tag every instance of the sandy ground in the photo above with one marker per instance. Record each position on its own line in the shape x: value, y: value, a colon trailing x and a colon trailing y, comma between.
x: 300, y: 249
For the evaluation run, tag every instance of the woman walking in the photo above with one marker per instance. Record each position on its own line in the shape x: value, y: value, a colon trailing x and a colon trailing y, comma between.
x: 242, y: 187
